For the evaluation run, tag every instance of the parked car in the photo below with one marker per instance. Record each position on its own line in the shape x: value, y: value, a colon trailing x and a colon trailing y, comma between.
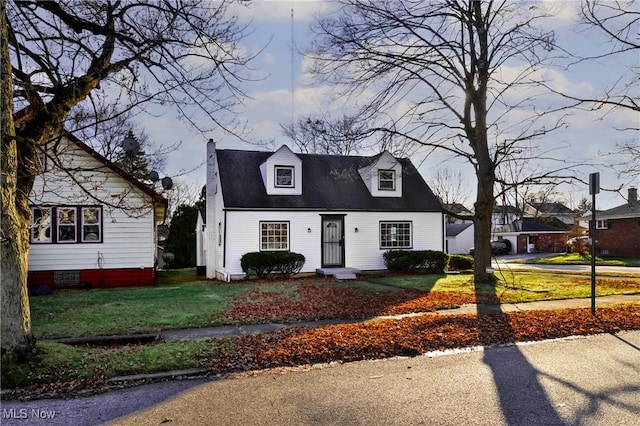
x: 498, y: 247
x: 575, y: 241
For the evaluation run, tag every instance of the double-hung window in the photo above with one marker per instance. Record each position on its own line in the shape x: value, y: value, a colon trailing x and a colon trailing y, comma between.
x: 41, y: 225
x: 274, y: 236
x: 66, y: 224
x: 284, y: 176
x: 395, y: 235
x: 602, y: 224
x: 387, y: 180
x: 91, y: 224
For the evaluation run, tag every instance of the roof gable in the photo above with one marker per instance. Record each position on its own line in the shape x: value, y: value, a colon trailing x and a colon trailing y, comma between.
x: 551, y: 208
x: 282, y: 173
x: 329, y: 182
x: 158, y: 198
x: 383, y: 176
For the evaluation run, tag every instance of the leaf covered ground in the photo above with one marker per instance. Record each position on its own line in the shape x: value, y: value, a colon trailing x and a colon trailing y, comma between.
x: 371, y: 339
x: 62, y: 370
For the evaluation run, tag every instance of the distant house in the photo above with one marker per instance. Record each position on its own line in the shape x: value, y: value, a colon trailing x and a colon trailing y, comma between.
x: 338, y: 211
x: 92, y: 223
x: 548, y: 210
x: 529, y: 236
x: 504, y: 215
x: 459, y: 238
x: 618, y: 229
x: 458, y: 209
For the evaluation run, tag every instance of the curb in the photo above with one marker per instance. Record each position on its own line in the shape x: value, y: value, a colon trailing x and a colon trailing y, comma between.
x: 162, y: 375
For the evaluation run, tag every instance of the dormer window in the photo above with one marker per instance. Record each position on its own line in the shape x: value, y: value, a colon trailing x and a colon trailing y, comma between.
x: 387, y: 180
x: 284, y: 177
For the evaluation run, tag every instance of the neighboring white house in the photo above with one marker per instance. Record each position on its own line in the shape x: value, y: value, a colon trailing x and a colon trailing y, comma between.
x: 338, y: 211
x: 459, y: 238
x: 92, y: 223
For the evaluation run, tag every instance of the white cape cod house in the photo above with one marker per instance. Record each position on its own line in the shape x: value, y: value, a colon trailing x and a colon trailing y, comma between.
x: 93, y: 224
x: 338, y: 211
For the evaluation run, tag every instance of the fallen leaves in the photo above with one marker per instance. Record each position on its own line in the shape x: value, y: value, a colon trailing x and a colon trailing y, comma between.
x: 368, y: 339
x: 313, y: 302
x: 417, y: 335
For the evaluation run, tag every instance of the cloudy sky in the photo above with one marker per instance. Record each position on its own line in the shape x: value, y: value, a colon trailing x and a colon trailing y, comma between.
x: 279, y: 69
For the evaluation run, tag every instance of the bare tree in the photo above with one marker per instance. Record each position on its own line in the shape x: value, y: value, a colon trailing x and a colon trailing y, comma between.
x: 617, y: 21
x: 450, y: 187
x: 105, y: 126
x: 457, y: 76
x: 57, y: 55
x: 344, y: 135
x: 325, y: 135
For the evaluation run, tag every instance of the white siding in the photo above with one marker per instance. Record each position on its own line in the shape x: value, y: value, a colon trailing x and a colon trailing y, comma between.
x: 200, y: 241
x: 128, y: 229
x: 461, y: 243
x: 362, y: 248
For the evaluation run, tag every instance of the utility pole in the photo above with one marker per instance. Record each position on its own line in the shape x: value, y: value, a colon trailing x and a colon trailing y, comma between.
x: 594, y: 188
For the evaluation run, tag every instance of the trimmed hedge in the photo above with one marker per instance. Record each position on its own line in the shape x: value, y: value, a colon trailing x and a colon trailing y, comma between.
x: 429, y: 261
x: 262, y: 263
x: 460, y: 262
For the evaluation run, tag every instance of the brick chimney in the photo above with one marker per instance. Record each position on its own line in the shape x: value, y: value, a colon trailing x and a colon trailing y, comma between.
x: 633, y: 196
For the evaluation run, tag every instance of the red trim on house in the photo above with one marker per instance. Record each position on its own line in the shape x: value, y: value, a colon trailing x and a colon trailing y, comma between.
x: 98, y: 278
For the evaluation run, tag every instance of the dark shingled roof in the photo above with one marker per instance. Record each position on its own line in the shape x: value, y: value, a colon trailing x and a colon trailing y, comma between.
x: 551, y: 208
x: 625, y: 211
x: 453, y: 229
x: 329, y: 182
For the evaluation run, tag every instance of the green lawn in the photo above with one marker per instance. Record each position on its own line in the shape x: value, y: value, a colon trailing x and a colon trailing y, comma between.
x: 520, y: 286
x: 585, y: 259
x: 56, y: 362
x: 181, y: 303
x: 69, y: 313
x: 179, y: 300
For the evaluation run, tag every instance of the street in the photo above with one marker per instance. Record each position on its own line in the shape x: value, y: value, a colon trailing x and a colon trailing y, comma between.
x: 506, y: 263
x: 587, y: 381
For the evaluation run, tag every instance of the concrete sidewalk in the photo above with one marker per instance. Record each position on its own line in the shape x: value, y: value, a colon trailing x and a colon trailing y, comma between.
x: 240, y: 330
x: 472, y: 308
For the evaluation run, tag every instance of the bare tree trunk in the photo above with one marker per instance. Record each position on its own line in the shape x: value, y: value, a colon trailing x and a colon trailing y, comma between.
x: 482, y: 229
x: 17, y: 340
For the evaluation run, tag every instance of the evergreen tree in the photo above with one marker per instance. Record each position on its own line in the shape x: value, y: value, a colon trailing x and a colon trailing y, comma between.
x: 182, y: 237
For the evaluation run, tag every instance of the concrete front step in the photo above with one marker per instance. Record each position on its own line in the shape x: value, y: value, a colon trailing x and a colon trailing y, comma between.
x: 347, y: 272
x: 346, y: 276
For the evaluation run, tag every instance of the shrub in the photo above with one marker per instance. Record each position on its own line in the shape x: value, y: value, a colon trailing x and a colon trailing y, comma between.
x: 262, y: 263
x: 430, y: 261
x: 459, y: 262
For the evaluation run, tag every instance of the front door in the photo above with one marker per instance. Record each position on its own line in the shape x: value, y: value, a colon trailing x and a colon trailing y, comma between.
x: 332, y: 241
